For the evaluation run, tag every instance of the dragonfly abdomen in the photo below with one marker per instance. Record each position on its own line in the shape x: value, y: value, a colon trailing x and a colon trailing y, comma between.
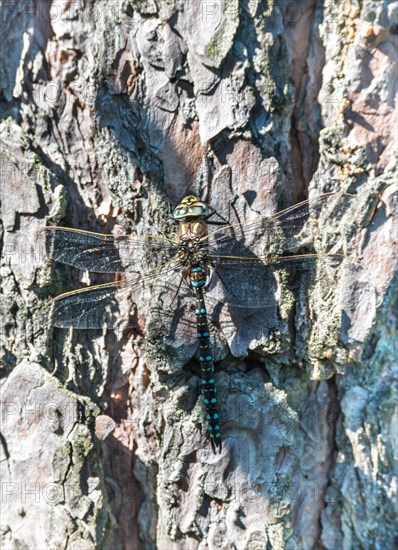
x: 208, y: 386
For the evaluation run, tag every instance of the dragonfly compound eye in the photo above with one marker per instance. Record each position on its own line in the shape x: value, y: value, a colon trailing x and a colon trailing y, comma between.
x: 190, y: 207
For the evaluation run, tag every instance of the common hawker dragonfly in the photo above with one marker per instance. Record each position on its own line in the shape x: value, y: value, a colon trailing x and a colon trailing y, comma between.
x: 234, y: 264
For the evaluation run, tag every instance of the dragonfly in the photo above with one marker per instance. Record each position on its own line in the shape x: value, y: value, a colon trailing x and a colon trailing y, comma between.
x: 233, y: 264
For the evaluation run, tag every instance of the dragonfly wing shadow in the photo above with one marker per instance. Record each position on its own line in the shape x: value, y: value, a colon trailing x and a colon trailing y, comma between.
x: 173, y: 313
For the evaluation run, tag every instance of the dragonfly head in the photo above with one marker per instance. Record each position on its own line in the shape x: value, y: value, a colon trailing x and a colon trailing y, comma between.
x: 190, y: 207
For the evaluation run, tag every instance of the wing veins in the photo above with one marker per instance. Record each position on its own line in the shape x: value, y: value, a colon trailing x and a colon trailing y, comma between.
x: 278, y: 216
x: 104, y: 236
x: 123, y: 283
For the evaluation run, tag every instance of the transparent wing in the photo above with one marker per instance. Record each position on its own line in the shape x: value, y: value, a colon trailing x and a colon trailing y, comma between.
x: 110, y: 305
x: 270, y: 236
x: 253, y: 283
x: 106, y: 253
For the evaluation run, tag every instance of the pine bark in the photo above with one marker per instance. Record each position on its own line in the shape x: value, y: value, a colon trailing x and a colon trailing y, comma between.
x: 107, y: 110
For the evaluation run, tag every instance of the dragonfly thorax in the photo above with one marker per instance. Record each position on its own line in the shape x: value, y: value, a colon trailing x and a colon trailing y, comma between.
x: 193, y: 257
x: 192, y: 249
x: 191, y: 252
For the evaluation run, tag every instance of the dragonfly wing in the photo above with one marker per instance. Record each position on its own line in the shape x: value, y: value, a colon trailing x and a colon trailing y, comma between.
x: 106, y: 253
x: 277, y: 234
x: 95, y: 307
x: 243, y: 286
x: 254, y: 282
x: 109, y: 305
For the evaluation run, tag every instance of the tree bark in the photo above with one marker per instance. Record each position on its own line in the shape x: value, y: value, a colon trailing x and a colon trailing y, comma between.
x: 107, y: 110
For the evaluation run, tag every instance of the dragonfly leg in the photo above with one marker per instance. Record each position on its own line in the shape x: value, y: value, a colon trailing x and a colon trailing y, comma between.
x: 212, y: 222
x: 225, y: 221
